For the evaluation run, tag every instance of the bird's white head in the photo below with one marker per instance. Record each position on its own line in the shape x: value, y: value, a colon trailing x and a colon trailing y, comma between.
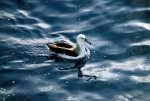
x: 82, y: 38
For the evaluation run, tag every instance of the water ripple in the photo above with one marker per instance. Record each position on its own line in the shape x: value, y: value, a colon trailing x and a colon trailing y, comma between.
x: 118, y: 31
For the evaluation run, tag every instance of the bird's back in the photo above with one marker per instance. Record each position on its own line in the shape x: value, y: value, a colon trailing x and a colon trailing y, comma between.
x: 63, y: 48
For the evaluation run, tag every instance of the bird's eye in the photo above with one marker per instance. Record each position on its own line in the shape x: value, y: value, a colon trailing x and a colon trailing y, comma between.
x: 82, y: 38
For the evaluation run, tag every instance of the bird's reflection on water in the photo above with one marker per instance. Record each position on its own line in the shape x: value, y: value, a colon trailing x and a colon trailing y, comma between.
x: 79, y: 63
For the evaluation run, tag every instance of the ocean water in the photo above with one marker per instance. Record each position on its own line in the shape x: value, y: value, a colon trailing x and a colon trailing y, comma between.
x: 119, y: 31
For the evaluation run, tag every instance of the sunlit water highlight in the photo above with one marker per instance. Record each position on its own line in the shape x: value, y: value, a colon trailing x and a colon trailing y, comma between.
x: 118, y: 31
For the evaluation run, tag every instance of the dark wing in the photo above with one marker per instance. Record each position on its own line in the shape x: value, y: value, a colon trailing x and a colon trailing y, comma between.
x: 62, y: 48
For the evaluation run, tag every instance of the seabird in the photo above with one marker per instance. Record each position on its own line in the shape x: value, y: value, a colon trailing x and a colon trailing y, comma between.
x: 69, y: 51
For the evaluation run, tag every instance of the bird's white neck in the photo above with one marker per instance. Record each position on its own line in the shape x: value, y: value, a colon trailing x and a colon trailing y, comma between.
x: 80, y: 48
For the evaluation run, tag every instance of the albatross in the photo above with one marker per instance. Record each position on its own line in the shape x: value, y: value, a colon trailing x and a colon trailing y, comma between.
x: 68, y: 51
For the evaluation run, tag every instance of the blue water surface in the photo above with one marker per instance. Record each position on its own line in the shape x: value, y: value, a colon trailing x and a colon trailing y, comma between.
x: 119, y: 31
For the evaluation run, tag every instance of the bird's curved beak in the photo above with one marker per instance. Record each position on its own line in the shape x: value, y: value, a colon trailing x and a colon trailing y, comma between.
x: 87, y: 41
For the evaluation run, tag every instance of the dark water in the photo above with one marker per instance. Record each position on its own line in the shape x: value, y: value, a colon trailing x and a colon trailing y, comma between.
x: 120, y: 50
